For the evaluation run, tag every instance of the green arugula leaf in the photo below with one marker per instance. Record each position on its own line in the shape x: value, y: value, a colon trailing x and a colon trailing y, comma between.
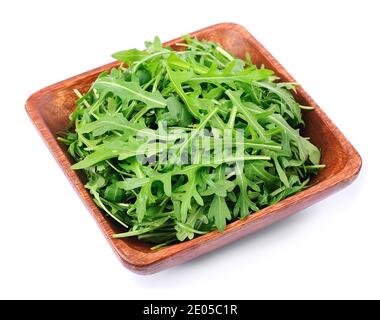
x: 130, y: 91
x: 220, y: 212
x: 130, y: 56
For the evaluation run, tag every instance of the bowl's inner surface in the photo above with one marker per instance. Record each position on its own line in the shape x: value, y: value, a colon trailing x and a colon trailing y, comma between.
x: 56, y: 106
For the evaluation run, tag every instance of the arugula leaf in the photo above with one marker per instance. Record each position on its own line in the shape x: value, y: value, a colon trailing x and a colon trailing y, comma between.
x: 130, y: 56
x: 176, y: 78
x: 218, y: 208
x: 247, y: 116
x: 177, y: 114
x: 243, y: 76
x: 130, y: 91
x: 283, y: 95
x: 220, y: 212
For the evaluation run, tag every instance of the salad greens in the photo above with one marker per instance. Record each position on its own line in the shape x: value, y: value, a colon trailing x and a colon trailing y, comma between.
x: 176, y: 144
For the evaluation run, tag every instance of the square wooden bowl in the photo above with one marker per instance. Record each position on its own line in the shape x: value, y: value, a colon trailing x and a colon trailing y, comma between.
x: 49, y: 110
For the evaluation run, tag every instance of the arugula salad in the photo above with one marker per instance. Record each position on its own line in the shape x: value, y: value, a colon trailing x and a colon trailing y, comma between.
x: 178, y: 143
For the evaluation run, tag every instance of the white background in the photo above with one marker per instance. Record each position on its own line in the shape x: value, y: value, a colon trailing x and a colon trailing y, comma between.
x: 50, y: 247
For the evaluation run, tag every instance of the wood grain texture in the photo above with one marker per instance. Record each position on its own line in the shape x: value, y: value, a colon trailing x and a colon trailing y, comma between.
x: 49, y: 109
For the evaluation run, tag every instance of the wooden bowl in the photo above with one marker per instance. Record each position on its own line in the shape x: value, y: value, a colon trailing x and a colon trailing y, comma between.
x: 49, y: 109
